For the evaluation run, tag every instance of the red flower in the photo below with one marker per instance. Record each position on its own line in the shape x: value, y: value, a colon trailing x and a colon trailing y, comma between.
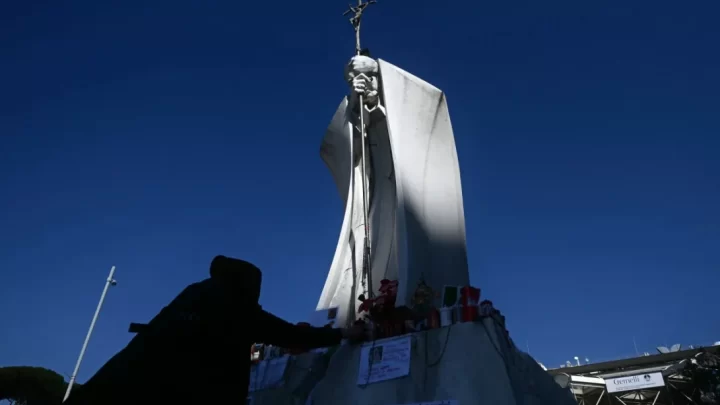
x: 366, y: 305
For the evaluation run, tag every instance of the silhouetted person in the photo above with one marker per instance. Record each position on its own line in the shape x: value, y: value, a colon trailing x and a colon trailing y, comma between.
x: 197, y: 348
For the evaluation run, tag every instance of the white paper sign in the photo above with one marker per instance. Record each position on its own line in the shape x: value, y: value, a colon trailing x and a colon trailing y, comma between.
x: 634, y: 382
x: 268, y: 374
x: 384, y: 360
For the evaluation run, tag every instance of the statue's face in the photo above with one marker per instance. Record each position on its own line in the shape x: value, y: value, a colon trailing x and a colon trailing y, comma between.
x: 361, y: 65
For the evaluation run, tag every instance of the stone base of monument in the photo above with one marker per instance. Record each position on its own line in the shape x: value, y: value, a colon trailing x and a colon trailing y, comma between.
x: 467, y: 363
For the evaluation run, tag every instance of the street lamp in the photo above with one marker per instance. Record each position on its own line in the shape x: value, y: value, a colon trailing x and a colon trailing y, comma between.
x: 109, y: 282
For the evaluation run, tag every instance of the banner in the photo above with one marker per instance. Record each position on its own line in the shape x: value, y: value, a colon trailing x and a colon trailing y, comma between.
x: 634, y: 382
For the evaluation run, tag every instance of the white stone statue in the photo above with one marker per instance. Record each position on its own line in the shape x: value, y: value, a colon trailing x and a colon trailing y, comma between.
x: 414, y: 196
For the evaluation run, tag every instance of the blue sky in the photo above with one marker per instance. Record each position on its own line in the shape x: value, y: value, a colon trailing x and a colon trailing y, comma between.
x: 155, y: 135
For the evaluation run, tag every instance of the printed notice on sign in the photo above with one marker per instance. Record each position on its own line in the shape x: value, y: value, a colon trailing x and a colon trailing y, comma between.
x: 384, y: 360
x: 634, y: 382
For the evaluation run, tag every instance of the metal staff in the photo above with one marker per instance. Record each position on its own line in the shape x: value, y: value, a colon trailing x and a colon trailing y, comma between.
x: 355, y: 21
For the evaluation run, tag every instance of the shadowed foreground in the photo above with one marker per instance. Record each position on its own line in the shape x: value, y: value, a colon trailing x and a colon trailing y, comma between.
x: 196, y: 349
x: 31, y: 386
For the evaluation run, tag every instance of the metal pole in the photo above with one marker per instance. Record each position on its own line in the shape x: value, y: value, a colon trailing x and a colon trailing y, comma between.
x: 601, y: 395
x: 366, y: 249
x: 356, y: 20
x: 637, y: 353
x: 110, y: 281
x: 656, y: 397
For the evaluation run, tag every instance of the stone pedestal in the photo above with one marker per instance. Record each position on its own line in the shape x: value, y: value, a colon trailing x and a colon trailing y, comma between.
x: 473, y: 363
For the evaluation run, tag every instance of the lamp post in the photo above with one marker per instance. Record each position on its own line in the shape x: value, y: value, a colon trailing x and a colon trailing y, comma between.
x: 109, y: 282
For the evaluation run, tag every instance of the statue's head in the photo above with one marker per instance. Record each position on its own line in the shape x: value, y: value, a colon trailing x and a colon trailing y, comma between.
x: 361, y: 64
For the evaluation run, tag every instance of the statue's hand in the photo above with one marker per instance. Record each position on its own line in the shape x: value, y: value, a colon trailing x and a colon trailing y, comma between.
x: 361, y: 84
x: 367, y: 87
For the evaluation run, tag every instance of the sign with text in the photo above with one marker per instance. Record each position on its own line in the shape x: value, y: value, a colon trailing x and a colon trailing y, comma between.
x: 634, y: 382
x: 383, y: 360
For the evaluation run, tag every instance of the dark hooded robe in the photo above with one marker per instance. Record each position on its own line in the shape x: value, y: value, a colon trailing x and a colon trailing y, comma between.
x: 197, y: 347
